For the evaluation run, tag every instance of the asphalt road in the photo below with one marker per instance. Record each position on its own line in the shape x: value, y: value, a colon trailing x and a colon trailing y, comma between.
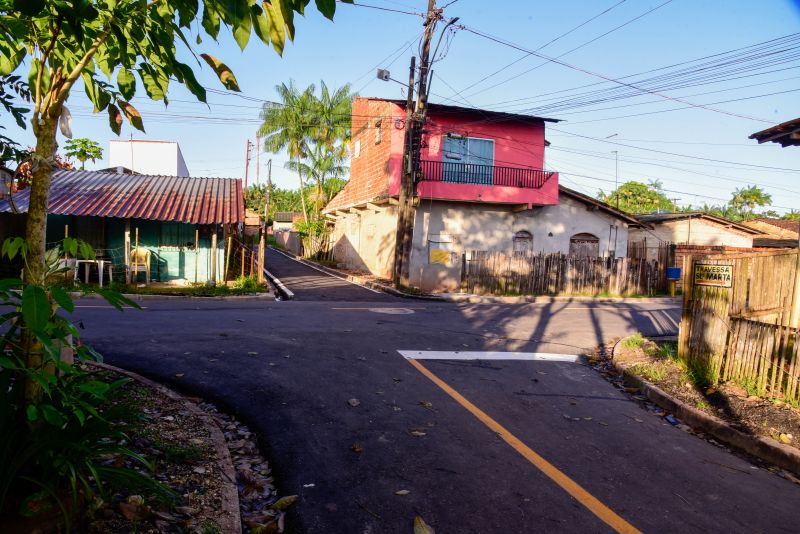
x: 585, y: 459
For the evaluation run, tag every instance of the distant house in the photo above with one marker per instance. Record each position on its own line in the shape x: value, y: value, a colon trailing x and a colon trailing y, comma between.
x: 148, y: 157
x: 692, y: 228
x: 481, y: 187
x: 786, y: 134
x: 284, y: 220
x: 177, y: 219
x: 775, y: 233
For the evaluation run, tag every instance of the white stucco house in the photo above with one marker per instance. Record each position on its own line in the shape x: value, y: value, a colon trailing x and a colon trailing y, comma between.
x: 692, y: 228
x: 157, y: 158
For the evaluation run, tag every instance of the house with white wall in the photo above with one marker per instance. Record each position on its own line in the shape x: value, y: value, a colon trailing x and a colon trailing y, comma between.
x: 142, y: 156
x: 692, y: 228
x: 481, y: 186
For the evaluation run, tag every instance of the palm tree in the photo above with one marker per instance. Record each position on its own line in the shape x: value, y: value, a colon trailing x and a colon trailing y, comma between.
x: 288, y: 126
x: 333, y: 117
x: 750, y: 197
x: 83, y: 149
x: 323, y: 164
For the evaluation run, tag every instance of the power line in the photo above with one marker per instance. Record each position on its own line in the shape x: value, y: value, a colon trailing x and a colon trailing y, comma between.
x: 630, y: 21
x: 501, y: 69
x: 385, y: 9
x: 604, y: 77
x: 676, y: 154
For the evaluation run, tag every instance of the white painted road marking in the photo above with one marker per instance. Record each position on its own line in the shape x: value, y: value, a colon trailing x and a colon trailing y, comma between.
x: 485, y: 355
x: 390, y: 311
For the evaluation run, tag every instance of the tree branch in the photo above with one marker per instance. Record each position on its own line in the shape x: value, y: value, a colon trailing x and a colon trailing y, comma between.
x: 76, y: 72
x: 55, y: 32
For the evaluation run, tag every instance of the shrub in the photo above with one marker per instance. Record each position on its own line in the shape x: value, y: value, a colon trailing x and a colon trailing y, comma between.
x: 60, y: 444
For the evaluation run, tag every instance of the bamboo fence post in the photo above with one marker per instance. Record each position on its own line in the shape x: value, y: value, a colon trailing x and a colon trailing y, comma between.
x: 252, y: 257
x: 261, y: 257
x: 241, y: 272
x: 214, y: 257
x: 66, y: 235
x: 196, y: 252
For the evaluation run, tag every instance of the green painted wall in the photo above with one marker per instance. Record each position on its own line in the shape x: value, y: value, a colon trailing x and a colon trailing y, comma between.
x: 171, y: 245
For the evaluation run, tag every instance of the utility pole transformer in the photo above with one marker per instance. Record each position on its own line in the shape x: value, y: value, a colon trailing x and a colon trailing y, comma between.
x: 415, y: 122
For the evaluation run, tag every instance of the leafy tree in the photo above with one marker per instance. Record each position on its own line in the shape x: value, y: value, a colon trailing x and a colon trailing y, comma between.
x: 636, y: 197
x: 83, y: 149
x: 100, y: 42
x: 108, y: 45
x: 12, y: 89
x: 745, y: 199
x: 792, y: 216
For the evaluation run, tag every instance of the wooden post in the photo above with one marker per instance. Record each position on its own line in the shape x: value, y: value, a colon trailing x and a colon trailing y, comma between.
x: 242, y: 266
x: 196, y: 252
x: 66, y: 271
x: 214, y: 257
x: 227, y: 258
x: 127, y: 252
x: 252, y: 257
x: 261, y: 257
x: 136, y: 258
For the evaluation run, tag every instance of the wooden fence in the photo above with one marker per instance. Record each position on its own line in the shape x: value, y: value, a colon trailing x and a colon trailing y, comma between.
x: 746, y: 328
x: 557, y: 274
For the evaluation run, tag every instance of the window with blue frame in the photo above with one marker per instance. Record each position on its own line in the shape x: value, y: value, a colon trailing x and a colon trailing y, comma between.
x: 467, y: 160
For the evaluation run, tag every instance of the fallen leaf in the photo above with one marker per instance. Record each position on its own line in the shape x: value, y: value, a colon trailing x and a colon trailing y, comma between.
x: 417, y: 433
x: 179, y: 375
x: 353, y: 402
x: 421, y: 527
x: 785, y: 438
x: 284, y: 502
x: 402, y: 492
x: 357, y: 448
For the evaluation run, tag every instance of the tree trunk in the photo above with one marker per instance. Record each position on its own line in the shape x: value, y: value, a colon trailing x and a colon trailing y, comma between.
x: 302, y: 192
x: 36, y: 227
x: 35, y: 234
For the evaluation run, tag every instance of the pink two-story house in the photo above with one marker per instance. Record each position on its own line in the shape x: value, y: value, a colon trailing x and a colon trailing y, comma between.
x: 481, y: 186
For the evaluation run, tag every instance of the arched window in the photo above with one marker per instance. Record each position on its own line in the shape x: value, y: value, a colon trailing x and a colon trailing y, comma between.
x: 523, y: 242
x: 584, y: 246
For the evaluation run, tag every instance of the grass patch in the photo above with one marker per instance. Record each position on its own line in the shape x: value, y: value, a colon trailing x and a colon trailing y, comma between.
x: 634, y: 342
x: 653, y: 372
x: 242, y: 286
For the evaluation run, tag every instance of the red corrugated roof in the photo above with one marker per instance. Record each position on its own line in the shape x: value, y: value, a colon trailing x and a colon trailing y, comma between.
x: 138, y: 196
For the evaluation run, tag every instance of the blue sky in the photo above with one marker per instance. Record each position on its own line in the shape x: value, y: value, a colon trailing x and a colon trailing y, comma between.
x: 348, y: 50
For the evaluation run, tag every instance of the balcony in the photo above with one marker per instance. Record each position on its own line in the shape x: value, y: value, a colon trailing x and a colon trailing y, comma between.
x: 487, y: 183
x: 468, y: 173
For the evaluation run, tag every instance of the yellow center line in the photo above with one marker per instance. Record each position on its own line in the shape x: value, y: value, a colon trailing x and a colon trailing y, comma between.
x: 588, y: 500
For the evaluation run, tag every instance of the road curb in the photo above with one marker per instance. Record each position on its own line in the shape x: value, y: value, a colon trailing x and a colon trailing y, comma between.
x: 229, y: 494
x: 284, y: 291
x: 540, y: 299
x: 766, y: 448
x: 138, y: 297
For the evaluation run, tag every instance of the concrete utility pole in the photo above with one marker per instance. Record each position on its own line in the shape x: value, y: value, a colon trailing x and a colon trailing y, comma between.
x: 269, y: 190
x: 258, y: 160
x: 248, y: 146
x: 415, y: 121
x: 616, y: 174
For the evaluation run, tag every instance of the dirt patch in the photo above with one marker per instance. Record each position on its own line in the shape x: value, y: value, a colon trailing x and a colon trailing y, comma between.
x: 176, y: 443
x: 656, y: 362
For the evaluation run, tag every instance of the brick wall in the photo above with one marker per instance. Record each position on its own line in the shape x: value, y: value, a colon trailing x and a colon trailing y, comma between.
x: 372, y: 141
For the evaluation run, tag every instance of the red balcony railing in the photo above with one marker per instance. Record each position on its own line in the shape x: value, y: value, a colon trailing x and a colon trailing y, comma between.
x: 468, y: 173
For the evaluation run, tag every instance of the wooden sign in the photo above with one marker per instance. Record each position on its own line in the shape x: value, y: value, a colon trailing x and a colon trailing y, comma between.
x: 708, y: 274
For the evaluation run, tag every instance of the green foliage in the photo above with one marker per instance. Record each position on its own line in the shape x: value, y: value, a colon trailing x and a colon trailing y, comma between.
x: 59, y: 433
x: 637, y: 197
x: 12, y: 89
x: 83, y: 149
x: 315, y: 228
x: 247, y: 283
x: 792, y: 216
x: 634, y: 342
x: 315, y: 131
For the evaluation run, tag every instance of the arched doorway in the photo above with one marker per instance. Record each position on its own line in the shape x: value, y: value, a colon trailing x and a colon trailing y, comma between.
x: 584, y: 245
x: 523, y: 242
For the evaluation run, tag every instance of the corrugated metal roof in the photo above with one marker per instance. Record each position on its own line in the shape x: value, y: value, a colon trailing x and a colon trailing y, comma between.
x: 138, y: 196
